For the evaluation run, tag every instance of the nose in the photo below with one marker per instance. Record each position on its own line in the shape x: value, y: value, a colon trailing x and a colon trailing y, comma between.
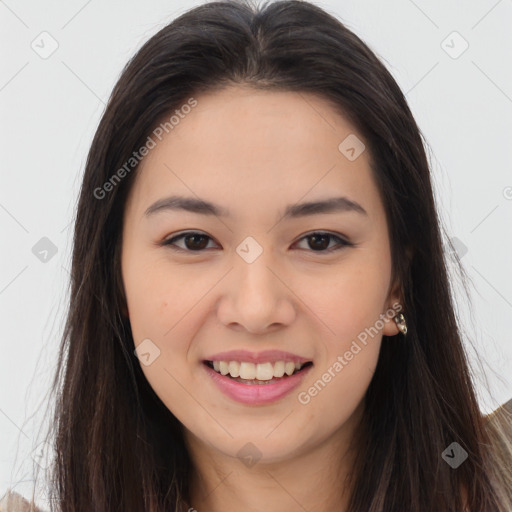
x: 256, y: 297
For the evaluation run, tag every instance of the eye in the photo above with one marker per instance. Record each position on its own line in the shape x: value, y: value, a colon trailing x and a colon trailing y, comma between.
x: 194, y: 241
x: 318, y: 241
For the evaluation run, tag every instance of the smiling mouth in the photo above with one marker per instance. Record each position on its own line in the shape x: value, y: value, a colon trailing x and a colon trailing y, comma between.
x: 267, y: 373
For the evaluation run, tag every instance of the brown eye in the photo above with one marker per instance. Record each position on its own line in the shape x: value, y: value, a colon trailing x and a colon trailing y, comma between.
x: 193, y: 241
x: 320, y: 241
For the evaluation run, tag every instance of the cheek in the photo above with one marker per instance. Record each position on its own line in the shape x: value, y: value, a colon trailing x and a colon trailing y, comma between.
x: 160, y: 305
x: 351, y: 306
x: 349, y: 303
x: 163, y: 306
x: 157, y: 298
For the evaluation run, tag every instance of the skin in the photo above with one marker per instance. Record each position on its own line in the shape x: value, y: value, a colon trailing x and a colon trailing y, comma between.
x: 255, y: 152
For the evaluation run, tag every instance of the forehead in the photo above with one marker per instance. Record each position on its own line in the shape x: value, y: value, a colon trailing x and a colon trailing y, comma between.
x: 252, y: 148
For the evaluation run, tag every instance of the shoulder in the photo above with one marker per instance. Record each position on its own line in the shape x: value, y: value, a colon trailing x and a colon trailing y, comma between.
x: 14, y: 502
x: 501, y: 421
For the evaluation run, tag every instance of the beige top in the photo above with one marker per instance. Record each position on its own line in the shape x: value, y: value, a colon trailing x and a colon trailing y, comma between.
x: 14, y: 502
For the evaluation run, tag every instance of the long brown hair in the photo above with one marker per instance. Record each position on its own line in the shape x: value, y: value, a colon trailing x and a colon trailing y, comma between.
x: 117, y: 446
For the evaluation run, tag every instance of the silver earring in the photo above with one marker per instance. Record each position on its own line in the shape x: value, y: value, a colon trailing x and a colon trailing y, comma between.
x: 400, y: 323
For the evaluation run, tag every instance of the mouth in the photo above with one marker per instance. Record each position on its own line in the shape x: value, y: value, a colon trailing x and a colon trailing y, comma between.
x: 257, y: 374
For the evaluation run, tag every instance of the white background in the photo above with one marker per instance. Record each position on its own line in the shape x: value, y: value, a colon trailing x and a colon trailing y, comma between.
x: 50, y: 109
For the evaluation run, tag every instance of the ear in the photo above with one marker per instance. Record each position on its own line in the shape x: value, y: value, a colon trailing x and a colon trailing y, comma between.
x: 395, y: 300
x: 394, y: 306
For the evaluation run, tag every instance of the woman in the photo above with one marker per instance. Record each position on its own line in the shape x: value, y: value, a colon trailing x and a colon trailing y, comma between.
x: 260, y: 312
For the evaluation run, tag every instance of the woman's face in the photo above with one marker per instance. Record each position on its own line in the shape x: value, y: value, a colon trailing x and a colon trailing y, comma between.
x: 254, y: 279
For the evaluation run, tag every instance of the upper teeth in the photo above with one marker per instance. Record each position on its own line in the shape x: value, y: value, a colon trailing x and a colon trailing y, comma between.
x: 260, y: 371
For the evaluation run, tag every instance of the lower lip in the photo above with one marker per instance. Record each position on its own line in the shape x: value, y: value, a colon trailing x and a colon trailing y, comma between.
x: 256, y: 394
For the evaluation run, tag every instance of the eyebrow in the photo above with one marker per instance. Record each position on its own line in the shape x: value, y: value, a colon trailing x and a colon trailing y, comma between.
x: 293, y: 211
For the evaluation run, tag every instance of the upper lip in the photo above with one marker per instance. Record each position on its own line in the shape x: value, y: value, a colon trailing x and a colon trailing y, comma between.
x: 261, y: 357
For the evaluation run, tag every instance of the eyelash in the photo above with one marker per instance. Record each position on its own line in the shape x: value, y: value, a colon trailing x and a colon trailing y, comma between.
x: 342, y: 243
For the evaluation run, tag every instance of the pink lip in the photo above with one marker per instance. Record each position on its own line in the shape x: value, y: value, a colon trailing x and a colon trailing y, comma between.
x: 262, y: 357
x: 256, y: 394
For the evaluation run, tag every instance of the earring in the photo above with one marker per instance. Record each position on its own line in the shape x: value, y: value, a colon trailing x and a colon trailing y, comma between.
x: 400, y: 323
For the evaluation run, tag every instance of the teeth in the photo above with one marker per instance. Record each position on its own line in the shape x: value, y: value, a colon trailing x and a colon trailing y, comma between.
x: 289, y: 368
x: 251, y: 371
x: 279, y: 369
x: 247, y: 371
x: 234, y: 368
x: 224, y: 368
x: 264, y: 371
